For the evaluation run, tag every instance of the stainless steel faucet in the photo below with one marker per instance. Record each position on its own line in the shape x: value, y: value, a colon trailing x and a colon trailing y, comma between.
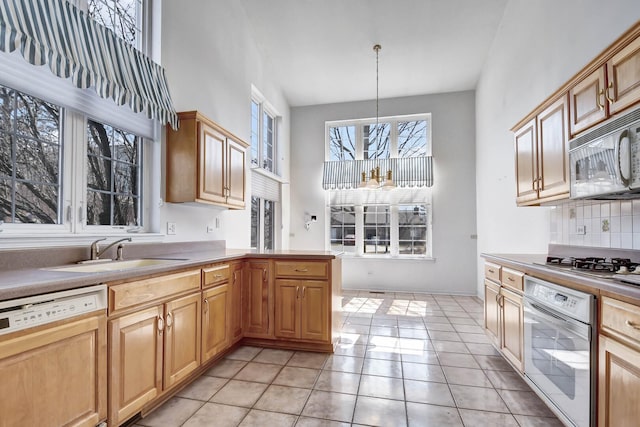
x: 96, y: 252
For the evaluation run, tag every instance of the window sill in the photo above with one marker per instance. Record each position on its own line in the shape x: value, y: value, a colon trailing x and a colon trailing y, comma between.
x: 387, y: 256
x: 268, y: 174
x: 25, y: 240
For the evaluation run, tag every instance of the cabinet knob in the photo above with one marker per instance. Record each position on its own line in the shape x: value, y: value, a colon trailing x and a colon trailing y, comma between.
x: 491, y: 271
x: 160, y: 324
x: 206, y: 305
x: 169, y: 320
x: 632, y: 325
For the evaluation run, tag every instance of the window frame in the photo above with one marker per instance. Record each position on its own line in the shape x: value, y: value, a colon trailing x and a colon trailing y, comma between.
x: 261, y: 223
x: 265, y: 108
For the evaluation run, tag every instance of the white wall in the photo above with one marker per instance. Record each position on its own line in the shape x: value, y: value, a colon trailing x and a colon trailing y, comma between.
x: 211, y: 60
x: 538, y: 47
x: 453, y: 193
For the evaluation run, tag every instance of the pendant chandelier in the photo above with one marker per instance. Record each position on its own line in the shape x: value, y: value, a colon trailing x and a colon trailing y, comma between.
x: 375, y: 180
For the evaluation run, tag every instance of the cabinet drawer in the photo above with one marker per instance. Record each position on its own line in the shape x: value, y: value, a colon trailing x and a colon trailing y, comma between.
x: 143, y: 291
x: 301, y: 269
x: 513, y: 279
x: 214, y: 275
x: 492, y: 271
x: 621, y: 318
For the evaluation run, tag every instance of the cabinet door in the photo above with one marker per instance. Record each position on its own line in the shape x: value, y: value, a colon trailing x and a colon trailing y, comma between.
x: 215, y: 321
x: 135, y: 354
x: 236, y: 173
x: 314, y: 309
x: 512, y: 327
x: 587, y: 102
x: 623, y: 75
x: 618, y: 384
x: 235, y: 322
x: 492, y: 311
x: 553, y: 151
x: 55, y: 376
x: 182, y: 338
x: 526, y: 163
x: 211, y: 161
x: 287, y: 308
x: 257, y: 300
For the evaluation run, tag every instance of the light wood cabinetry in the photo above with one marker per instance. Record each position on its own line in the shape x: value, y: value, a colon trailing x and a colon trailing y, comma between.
x: 257, y: 294
x: 153, y: 348
x: 205, y: 163
x: 619, y: 364
x: 542, y: 155
x: 504, y: 312
x: 55, y: 375
x: 215, y: 321
x: 236, y: 305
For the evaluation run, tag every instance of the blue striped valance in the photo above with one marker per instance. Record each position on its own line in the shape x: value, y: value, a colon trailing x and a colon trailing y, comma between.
x: 407, y: 172
x: 56, y: 33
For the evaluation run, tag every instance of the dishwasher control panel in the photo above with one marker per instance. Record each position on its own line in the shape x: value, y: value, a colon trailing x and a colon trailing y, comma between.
x: 42, y: 309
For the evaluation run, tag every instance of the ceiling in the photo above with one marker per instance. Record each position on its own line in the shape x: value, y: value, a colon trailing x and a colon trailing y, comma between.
x: 321, y: 51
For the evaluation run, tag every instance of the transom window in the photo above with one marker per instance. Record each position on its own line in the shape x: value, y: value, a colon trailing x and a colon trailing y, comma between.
x: 124, y: 17
x: 263, y: 137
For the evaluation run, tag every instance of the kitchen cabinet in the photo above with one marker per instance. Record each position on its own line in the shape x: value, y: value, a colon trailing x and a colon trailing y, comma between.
x: 216, y: 307
x: 608, y: 90
x: 542, y: 155
x: 236, y: 305
x: 258, y: 291
x: 55, y: 375
x: 205, y: 163
x: 619, y: 364
x: 492, y: 311
x: 512, y: 327
x: 154, y: 339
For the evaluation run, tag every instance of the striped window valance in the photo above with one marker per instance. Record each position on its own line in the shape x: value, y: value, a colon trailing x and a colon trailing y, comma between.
x: 56, y: 33
x: 407, y: 172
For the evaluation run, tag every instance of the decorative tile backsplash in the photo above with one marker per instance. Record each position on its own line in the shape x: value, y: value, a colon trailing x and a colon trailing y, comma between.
x: 614, y: 224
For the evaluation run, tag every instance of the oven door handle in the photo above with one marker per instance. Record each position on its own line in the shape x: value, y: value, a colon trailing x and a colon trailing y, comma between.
x: 579, y: 328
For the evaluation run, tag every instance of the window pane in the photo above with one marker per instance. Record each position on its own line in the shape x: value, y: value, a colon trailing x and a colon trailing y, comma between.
x: 255, y: 133
x: 412, y: 232
x: 342, y: 143
x: 376, y: 141
x: 113, y: 176
x: 267, y: 138
x: 269, y: 215
x: 255, y: 221
x: 343, y: 230
x: 30, y: 158
x: 412, y: 138
x: 377, y: 227
x: 123, y: 17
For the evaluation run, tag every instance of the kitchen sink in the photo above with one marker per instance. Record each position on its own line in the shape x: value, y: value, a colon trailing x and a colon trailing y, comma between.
x: 115, y: 265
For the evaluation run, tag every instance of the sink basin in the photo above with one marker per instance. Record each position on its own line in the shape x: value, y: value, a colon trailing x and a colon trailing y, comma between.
x: 115, y: 265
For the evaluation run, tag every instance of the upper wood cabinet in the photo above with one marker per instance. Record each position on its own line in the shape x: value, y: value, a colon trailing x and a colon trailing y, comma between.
x: 205, y: 163
x: 542, y: 155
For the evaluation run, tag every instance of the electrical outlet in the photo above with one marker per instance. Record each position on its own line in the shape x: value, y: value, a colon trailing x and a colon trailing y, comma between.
x: 171, y: 228
x: 210, y: 228
x: 582, y: 229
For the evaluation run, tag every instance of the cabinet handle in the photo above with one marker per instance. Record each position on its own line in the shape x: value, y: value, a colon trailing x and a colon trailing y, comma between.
x: 264, y: 275
x: 297, y: 292
x: 160, y: 324
x: 169, y: 320
x: 510, y: 279
x: 303, y: 289
x: 491, y: 271
x: 601, y: 93
x: 632, y: 325
x: 606, y: 93
x: 302, y: 270
x: 206, y: 304
x: 497, y: 298
x: 234, y: 276
x: 217, y: 276
x: 501, y: 301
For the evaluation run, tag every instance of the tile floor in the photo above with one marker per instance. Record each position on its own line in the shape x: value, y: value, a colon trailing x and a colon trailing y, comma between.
x: 403, y: 359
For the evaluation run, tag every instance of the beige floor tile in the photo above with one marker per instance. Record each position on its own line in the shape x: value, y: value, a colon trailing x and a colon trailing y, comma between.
x: 384, y: 353
x: 316, y: 422
x: 472, y: 329
x: 383, y: 331
x: 428, y: 392
x: 330, y: 406
x: 383, y: 387
x: 381, y: 341
x: 380, y: 412
x: 297, y: 377
x: 275, y: 357
x: 239, y: 393
x: 507, y: 380
x: 344, y: 364
x: 420, y: 334
x: 353, y: 339
x: 473, y: 418
x: 493, y: 363
x: 482, y: 349
x: 422, y: 372
x: 384, y: 322
x: 480, y: 398
x: 423, y: 356
x: 356, y: 329
x: 474, y: 338
x: 288, y: 400
x: 527, y: 421
x: 444, y: 335
x: 244, y: 352
x: 442, y: 327
x: 385, y: 368
x: 414, y: 344
x: 224, y: 416
x: 421, y: 415
x: 466, y: 376
x: 259, y: 372
x: 358, y: 321
x: 172, y: 414
x: 353, y: 350
x: 339, y: 382
x: 416, y: 324
x: 307, y: 359
x: 256, y: 418
x: 525, y: 403
x: 226, y: 368
x: 449, y: 347
x: 202, y: 388
x: 458, y: 359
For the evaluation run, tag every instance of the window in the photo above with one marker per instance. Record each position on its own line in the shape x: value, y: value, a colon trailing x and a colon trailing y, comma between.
x: 377, y: 222
x: 262, y: 223
x: 264, y: 145
x: 124, y: 17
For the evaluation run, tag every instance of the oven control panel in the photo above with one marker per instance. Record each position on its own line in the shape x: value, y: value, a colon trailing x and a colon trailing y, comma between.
x: 554, y: 297
x: 570, y: 302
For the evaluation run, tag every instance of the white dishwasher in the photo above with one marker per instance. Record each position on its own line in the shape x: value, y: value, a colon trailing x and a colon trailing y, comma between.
x: 53, y: 359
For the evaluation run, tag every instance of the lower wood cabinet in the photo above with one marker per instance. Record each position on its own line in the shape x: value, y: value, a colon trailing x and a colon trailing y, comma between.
x: 257, y: 322
x: 236, y: 306
x: 215, y: 321
x: 302, y: 309
x: 492, y: 311
x: 151, y: 350
x: 55, y: 376
x: 512, y: 326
